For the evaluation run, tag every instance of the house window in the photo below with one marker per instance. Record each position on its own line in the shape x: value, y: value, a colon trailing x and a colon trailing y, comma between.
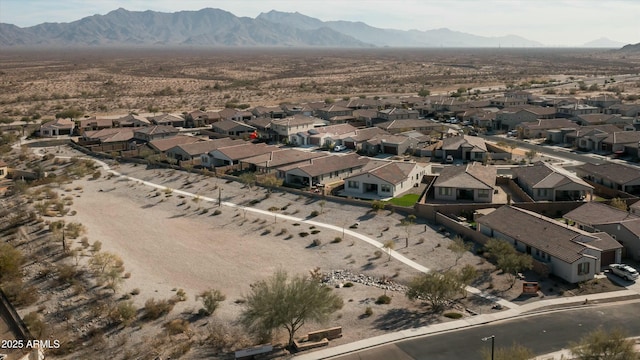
x: 385, y: 188
x: 483, y: 193
x: 583, y: 268
x: 542, y: 192
x: 444, y: 191
x: 353, y: 184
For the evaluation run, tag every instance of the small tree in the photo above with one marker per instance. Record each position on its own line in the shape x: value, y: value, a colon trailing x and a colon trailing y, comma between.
x: 283, y: 302
x: 604, y: 345
x: 322, y: 204
x: 389, y: 246
x: 459, y: 248
x: 378, y: 205
x: 10, y: 262
x: 437, y: 289
x: 248, y: 179
x: 108, y: 268
x: 530, y: 155
x: 211, y: 299
x: 424, y: 92
x: 271, y: 181
x: 508, y: 259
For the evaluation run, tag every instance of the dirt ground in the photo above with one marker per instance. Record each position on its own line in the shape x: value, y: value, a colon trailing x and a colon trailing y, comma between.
x: 169, y: 241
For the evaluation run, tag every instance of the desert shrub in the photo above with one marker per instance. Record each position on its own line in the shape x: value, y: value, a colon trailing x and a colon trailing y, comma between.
x: 123, y: 313
x: 377, y: 254
x: 211, y: 299
x: 34, y: 323
x: 217, y: 212
x: 96, y: 175
x: 154, y: 309
x: 336, y: 240
x: 368, y: 311
x: 314, y: 213
x: 177, y: 326
x: 135, y: 292
x: 274, y: 208
x: 316, y: 242
x: 315, y: 231
x: 20, y: 294
x: 282, y: 231
x: 303, y: 234
x: 348, y: 284
x: 452, y: 315
x: 181, y: 295
x: 383, y: 299
x: 66, y: 273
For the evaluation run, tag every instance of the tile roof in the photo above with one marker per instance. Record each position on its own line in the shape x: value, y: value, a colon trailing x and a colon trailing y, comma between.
x: 156, y: 129
x: 327, y: 164
x: 544, y: 176
x: 393, y: 172
x: 408, y: 124
x: 280, y: 157
x: 633, y: 225
x: 594, y: 213
x: 294, y: 120
x: 596, y: 118
x: 226, y: 125
x: 549, y: 124
x: 110, y: 135
x: 163, y: 145
x: 59, y: 124
x: 471, y: 176
x: 165, y: 118
x: 246, y: 150
x: 623, y: 137
x: 554, y: 238
x: 617, y: 173
x: 203, y: 147
x: 338, y: 129
x: 367, y: 133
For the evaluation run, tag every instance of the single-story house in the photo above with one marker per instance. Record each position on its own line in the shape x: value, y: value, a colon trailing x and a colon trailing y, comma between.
x: 162, y: 145
x: 93, y: 123
x: 201, y: 118
x: 269, y: 162
x: 619, y: 141
x: 233, y: 154
x: 390, y: 144
x: 199, y: 149
x: 271, y: 112
x: 57, y: 127
x: 131, y: 120
x: 235, y: 114
x: 571, y: 254
x: 575, y: 110
x: 232, y: 128
x: 398, y: 126
x: 599, y: 119
x: 589, y: 138
x: 168, y: 120
x: 621, y: 225
x: 384, y: 179
x: 327, y: 135
x: 467, y: 148
x: 397, y: 114
x: 120, y: 136
x: 544, y: 182
x: 473, y: 182
x: 322, y: 170
x: 333, y: 111
x: 154, y: 132
x: 612, y: 175
x: 360, y: 136
x: 538, y: 129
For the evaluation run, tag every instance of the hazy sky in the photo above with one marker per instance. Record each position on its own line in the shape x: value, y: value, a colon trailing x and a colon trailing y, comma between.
x: 551, y: 22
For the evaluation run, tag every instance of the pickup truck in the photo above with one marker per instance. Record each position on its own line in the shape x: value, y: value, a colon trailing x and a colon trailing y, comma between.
x: 624, y: 271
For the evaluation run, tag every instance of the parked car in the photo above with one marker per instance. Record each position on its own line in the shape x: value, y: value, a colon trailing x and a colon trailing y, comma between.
x: 624, y: 271
x: 449, y: 159
x: 339, y: 148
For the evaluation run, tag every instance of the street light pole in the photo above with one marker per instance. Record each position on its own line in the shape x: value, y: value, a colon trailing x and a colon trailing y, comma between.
x: 493, y: 338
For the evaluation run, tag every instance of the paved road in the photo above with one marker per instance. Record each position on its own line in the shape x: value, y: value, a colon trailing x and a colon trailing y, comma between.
x: 542, y: 333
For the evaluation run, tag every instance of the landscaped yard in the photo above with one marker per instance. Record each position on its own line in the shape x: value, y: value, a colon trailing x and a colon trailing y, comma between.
x: 405, y: 200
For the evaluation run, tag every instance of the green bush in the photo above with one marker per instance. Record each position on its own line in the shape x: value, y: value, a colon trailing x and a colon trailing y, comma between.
x: 348, y: 284
x: 314, y: 213
x: 303, y: 234
x: 383, y: 299
x: 453, y: 315
x: 337, y: 239
x: 368, y: 311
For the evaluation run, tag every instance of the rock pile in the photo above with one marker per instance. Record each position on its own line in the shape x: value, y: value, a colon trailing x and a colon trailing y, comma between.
x: 339, y: 277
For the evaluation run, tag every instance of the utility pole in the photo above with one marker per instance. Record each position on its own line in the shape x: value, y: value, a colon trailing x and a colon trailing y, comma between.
x: 493, y: 338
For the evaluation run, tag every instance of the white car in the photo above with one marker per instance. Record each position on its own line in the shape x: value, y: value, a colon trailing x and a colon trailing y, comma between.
x: 339, y: 148
x: 624, y: 271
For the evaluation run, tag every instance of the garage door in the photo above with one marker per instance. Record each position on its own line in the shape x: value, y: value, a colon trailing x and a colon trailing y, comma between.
x: 608, y: 257
x: 390, y: 150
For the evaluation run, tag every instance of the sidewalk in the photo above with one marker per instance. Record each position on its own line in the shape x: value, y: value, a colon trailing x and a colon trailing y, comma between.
x: 524, y: 310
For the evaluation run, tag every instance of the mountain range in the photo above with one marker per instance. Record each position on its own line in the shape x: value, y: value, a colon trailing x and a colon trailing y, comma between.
x: 215, y: 27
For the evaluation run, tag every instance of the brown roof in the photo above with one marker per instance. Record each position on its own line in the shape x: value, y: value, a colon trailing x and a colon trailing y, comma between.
x: 623, y: 137
x: 549, y: 124
x: 226, y: 125
x: 246, y: 150
x: 281, y: 157
x: 368, y: 133
x: 110, y: 135
x: 163, y: 145
x: 544, y: 176
x: 540, y: 232
x: 617, y: 173
x: 472, y: 176
x: 338, y: 129
x: 164, y: 118
x: 393, y: 172
x: 156, y: 129
x: 98, y: 122
x: 327, y: 164
x: 408, y: 124
x: 294, y: 120
x: 596, y: 118
x: 59, y: 124
x: 594, y: 213
x: 203, y: 147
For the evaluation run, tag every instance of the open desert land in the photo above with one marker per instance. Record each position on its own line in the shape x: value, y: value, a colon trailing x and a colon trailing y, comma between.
x: 114, y: 81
